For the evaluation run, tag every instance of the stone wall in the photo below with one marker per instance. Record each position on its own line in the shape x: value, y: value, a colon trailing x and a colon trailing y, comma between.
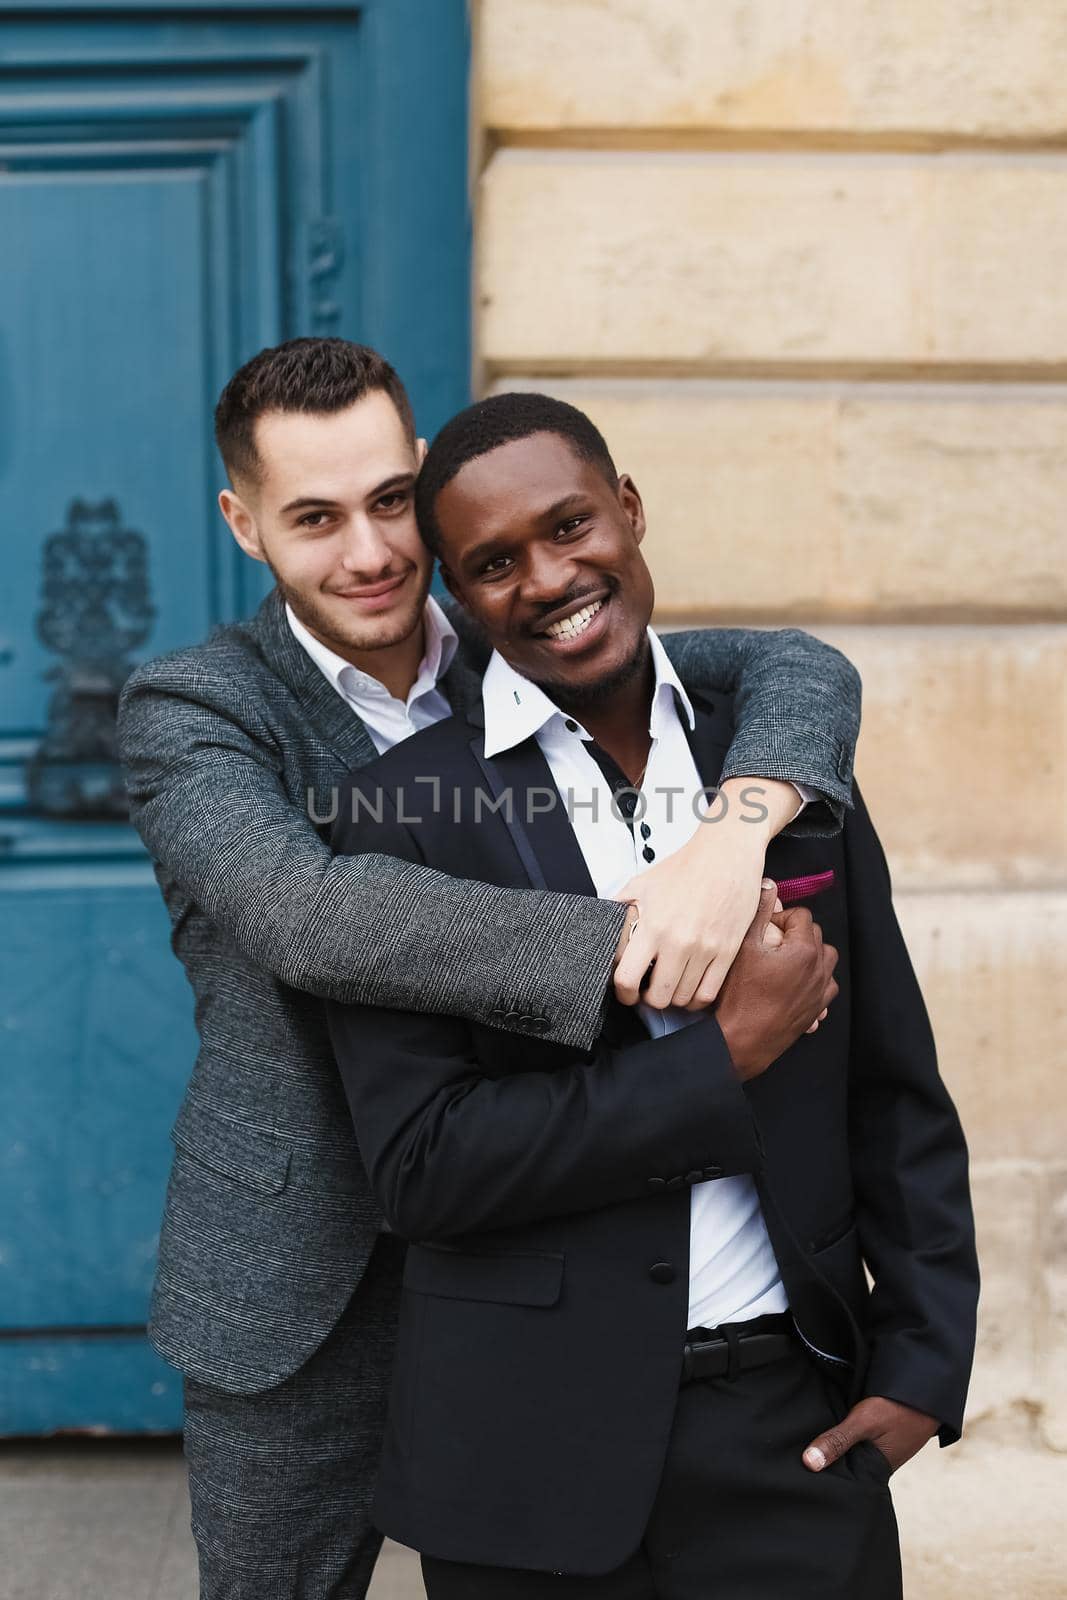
x: 804, y: 263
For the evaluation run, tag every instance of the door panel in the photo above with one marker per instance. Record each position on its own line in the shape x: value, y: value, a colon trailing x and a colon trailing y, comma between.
x: 94, y: 394
x: 97, y: 1050
x: 179, y: 186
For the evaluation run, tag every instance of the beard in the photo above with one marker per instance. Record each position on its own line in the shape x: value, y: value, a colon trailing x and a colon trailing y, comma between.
x: 367, y: 633
x: 588, y: 696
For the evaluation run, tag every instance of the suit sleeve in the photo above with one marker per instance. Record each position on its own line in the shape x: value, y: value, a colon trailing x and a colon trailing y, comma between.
x: 796, y: 704
x: 207, y: 797
x: 451, y: 1150
x: 909, y: 1162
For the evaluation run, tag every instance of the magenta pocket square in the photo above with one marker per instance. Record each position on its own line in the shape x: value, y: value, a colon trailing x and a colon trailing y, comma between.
x: 791, y: 889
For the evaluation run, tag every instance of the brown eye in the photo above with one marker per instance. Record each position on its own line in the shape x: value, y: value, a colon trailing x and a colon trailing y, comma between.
x: 390, y: 503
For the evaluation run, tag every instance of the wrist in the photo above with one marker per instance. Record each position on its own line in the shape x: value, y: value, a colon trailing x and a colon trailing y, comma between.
x: 760, y: 808
x: 732, y: 1030
x: 626, y: 934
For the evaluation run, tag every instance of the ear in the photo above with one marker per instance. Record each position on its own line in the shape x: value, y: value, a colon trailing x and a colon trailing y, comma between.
x: 421, y: 448
x: 631, y: 503
x: 241, y: 523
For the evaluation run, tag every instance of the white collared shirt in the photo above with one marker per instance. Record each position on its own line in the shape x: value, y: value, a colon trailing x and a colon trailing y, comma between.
x: 387, y: 719
x: 733, y: 1273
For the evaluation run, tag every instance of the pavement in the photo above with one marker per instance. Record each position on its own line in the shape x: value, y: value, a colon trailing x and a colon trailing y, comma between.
x: 105, y: 1519
x: 108, y: 1519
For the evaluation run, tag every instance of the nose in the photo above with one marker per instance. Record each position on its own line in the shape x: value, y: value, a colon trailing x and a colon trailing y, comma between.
x: 365, y: 552
x: 548, y: 573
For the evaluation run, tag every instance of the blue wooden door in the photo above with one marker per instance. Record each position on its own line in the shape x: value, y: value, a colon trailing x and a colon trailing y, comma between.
x: 179, y: 186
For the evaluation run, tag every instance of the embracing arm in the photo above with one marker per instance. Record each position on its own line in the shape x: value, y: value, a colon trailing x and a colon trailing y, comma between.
x: 909, y: 1162
x: 207, y: 797
x: 796, y: 706
x: 449, y: 1150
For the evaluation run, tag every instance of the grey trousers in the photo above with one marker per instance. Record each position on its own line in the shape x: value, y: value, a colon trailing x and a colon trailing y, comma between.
x: 281, y: 1483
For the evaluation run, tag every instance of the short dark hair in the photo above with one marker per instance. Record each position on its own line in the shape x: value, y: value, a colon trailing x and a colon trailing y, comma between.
x: 316, y: 375
x: 486, y: 426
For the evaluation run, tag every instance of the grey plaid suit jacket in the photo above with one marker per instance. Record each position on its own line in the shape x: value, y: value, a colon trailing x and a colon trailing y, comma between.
x: 269, y: 1220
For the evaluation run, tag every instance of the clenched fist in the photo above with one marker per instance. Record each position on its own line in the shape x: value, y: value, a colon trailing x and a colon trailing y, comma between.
x: 775, y: 990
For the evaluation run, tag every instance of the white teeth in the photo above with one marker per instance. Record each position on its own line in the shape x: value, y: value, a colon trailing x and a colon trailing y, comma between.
x: 571, y: 626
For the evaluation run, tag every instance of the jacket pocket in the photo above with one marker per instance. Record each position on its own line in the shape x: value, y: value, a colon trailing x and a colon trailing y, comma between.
x: 244, y: 1155
x: 832, y: 1233
x: 520, y: 1278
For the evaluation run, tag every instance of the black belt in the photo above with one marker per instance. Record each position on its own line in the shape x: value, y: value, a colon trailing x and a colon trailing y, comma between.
x: 736, y: 1347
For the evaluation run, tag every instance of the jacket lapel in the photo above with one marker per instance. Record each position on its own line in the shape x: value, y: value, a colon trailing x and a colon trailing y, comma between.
x: 541, y: 832
x: 521, y: 782
x: 709, y: 738
x: 334, y: 719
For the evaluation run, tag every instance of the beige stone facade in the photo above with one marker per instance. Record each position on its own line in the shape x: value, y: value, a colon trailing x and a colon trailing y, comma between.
x: 804, y: 263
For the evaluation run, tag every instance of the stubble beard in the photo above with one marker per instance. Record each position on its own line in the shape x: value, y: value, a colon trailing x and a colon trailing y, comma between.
x: 589, y: 696
x: 373, y: 633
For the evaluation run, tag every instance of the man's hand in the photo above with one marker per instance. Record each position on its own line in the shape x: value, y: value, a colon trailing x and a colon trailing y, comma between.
x: 896, y: 1430
x: 690, y: 912
x: 774, y: 992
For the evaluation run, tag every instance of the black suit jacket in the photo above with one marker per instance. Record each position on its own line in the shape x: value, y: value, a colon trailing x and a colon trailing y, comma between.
x: 546, y: 1191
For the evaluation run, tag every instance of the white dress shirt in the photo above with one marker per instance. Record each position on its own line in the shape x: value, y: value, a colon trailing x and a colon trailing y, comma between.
x: 387, y: 719
x: 733, y: 1273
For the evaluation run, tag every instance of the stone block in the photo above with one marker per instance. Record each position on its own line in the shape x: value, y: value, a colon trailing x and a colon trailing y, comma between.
x: 853, y: 67
x: 982, y: 1519
x: 713, y: 263
x: 963, y: 750
x: 993, y: 970
x: 1052, y: 1344
x: 1007, y: 1207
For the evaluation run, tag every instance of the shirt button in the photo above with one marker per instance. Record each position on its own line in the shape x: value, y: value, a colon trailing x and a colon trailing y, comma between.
x: 648, y: 853
x: 675, y: 1183
x: 713, y: 1172
x: 656, y: 1185
x: 570, y: 725
x: 661, y: 1272
x: 694, y: 1177
x: 646, y: 831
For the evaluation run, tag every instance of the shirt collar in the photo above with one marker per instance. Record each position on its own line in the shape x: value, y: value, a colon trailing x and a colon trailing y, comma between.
x: 669, y: 691
x: 516, y: 709
x: 440, y: 644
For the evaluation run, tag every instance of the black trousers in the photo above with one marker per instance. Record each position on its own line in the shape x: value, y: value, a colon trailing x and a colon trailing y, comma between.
x: 281, y: 1482
x: 737, y: 1515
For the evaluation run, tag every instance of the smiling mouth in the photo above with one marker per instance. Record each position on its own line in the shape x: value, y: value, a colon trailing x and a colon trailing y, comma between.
x: 372, y: 591
x: 574, y: 626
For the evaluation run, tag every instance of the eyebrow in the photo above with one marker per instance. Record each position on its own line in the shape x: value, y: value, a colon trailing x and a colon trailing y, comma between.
x: 551, y: 513
x: 399, y: 480
x: 307, y: 502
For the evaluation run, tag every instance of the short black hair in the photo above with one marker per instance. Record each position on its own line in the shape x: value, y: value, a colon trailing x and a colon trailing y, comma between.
x: 486, y: 426
x: 315, y: 375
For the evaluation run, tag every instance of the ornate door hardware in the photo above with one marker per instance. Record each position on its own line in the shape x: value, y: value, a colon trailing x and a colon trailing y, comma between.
x: 95, y: 611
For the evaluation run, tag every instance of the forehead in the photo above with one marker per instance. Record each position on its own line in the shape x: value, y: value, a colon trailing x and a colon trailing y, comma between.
x: 333, y: 454
x: 515, y: 484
